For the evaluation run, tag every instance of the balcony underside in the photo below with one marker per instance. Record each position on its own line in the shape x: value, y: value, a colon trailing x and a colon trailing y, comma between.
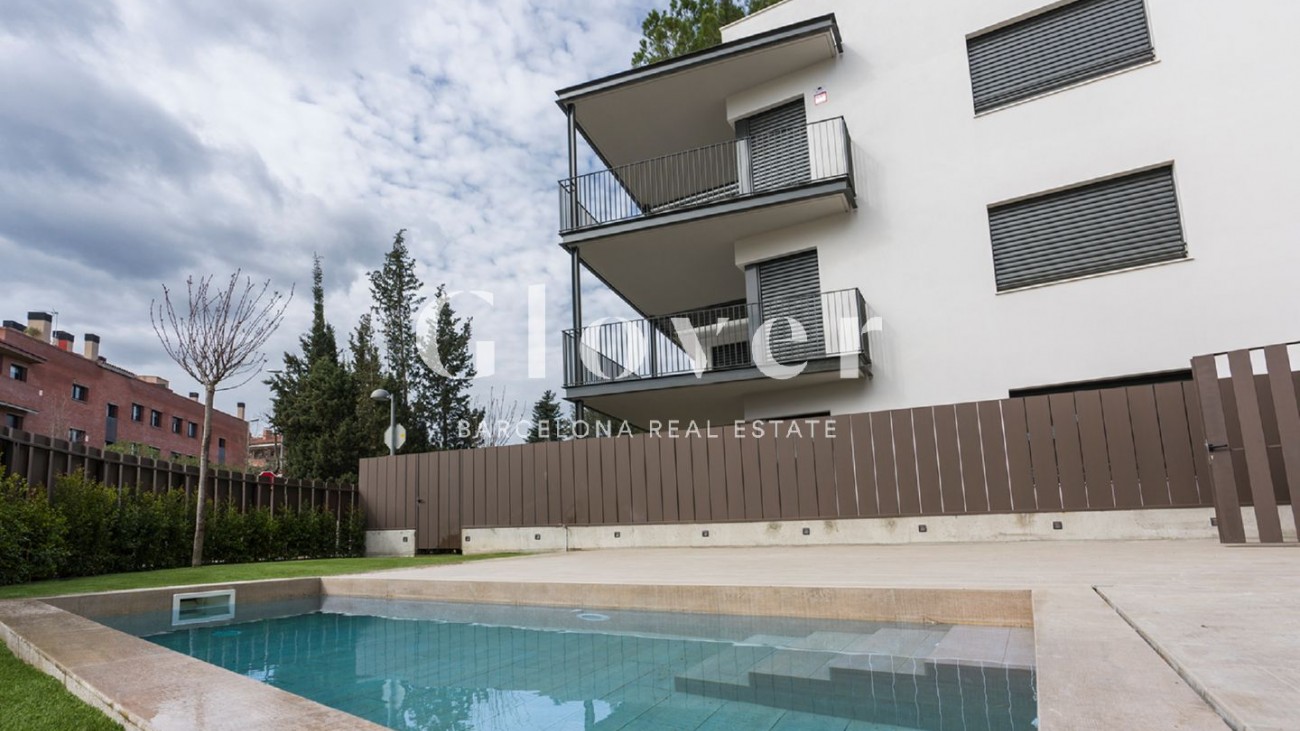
x: 718, y: 396
x: 685, y: 259
x: 681, y: 103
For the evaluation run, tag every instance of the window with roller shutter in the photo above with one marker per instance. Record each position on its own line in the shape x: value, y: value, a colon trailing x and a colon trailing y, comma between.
x: 791, y: 288
x: 1063, y: 46
x: 778, y: 147
x: 1113, y: 224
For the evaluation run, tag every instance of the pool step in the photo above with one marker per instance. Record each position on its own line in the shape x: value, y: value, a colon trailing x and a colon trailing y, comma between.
x: 925, y: 695
x: 912, y: 677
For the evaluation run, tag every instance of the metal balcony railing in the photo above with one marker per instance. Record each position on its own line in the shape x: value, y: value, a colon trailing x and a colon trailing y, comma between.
x: 747, y: 166
x: 719, y: 338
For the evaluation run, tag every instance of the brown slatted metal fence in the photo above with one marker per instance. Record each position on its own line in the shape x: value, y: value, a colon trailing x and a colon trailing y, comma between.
x: 41, y: 460
x: 1250, y: 438
x: 1120, y: 448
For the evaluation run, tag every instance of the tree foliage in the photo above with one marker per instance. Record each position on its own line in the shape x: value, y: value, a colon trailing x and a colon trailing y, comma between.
x: 448, y: 412
x: 321, y: 398
x: 688, y: 26
x: 395, y: 293
x: 312, y: 401
x: 548, y: 421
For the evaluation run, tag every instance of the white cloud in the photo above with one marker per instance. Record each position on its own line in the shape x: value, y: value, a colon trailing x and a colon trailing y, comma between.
x: 166, y: 139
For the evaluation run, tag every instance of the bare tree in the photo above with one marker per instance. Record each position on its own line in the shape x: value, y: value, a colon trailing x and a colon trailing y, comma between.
x: 216, y: 337
x: 500, y: 417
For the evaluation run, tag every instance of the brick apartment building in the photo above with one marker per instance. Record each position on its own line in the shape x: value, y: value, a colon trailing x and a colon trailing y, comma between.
x: 48, y: 388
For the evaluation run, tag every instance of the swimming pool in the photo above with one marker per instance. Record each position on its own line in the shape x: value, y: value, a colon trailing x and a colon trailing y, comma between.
x: 429, y: 665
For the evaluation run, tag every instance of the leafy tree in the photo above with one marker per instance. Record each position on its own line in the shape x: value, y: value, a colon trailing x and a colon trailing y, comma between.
x: 449, y: 412
x: 549, y: 424
x: 688, y: 26
x: 395, y: 291
x: 216, y: 337
x: 312, y: 401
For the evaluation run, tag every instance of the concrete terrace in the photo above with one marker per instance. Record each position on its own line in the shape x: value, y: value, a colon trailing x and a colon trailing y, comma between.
x: 1129, y: 635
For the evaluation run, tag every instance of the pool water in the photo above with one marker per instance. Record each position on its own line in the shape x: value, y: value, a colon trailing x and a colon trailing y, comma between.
x: 422, y: 665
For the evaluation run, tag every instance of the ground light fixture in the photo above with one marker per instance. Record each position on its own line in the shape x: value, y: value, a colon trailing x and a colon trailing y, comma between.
x: 380, y: 395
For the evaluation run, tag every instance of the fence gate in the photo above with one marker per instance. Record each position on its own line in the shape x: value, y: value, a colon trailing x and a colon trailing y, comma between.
x: 1252, y: 433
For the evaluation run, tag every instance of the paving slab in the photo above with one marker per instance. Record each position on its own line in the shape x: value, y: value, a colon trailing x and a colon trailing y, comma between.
x: 1241, y: 650
x: 1093, y: 676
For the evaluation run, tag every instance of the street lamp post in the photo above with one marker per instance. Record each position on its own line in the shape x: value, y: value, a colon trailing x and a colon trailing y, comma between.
x: 382, y: 395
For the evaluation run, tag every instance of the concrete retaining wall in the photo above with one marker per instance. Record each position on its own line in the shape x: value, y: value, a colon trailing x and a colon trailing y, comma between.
x: 1094, y: 525
x: 390, y: 543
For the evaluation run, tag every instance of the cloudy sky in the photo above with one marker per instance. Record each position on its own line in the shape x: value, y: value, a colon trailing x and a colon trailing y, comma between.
x: 144, y: 141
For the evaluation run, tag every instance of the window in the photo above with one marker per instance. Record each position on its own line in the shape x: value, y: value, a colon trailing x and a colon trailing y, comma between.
x: 777, y: 141
x: 155, y: 418
x: 17, y: 372
x: 176, y: 424
x: 1079, y: 41
x: 137, y: 412
x: 14, y: 421
x: 789, y: 290
x: 221, y: 451
x: 192, y: 430
x: 76, y: 436
x: 1100, y: 227
x: 112, y: 411
x: 80, y: 392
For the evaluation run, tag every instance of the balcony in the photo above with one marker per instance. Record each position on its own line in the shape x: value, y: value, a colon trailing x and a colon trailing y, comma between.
x: 679, y: 186
x: 778, y: 339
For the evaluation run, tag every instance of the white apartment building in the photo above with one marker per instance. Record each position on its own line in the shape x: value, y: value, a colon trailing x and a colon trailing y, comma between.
x: 1006, y: 196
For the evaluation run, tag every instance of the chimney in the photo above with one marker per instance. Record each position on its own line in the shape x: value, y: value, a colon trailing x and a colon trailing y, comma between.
x: 41, y: 323
x: 91, y: 346
x: 15, y: 325
x: 239, y: 410
x: 194, y: 395
x: 155, y: 380
x: 64, y: 340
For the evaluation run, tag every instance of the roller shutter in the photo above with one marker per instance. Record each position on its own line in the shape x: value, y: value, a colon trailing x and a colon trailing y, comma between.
x: 778, y: 147
x: 1079, y: 41
x: 791, y: 288
x: 1104, y: 226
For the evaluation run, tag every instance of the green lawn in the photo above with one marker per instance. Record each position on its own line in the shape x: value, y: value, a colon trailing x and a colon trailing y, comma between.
x: 229, y: 572
x: 30, y: 699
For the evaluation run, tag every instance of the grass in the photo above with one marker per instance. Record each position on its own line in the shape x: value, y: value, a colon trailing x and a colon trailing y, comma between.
x: 227, y: 572
x: 30, y: 699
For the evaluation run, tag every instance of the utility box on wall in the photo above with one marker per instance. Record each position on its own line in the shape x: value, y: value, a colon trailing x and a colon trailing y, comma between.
x: 390, y: 543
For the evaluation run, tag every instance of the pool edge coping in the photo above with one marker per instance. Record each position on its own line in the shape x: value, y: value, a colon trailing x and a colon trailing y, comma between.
x: 1063, y: 707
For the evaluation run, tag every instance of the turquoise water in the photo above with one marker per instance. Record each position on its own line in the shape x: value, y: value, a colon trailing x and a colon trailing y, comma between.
x: 417, y: 665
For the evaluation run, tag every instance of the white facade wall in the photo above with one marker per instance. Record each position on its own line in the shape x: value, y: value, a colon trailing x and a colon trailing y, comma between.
x: 1221, y: 101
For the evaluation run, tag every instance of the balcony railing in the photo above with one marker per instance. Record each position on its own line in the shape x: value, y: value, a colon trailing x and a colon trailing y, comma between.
x: 765, y: 335
x: 740, y: 168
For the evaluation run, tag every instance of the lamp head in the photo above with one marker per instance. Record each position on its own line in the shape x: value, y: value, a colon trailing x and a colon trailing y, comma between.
x: 381, y: 395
